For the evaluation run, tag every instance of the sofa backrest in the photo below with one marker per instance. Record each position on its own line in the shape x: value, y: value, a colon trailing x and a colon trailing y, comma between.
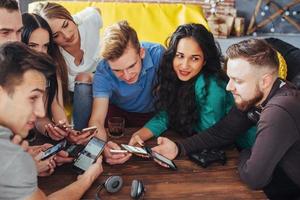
x: 153, y: 22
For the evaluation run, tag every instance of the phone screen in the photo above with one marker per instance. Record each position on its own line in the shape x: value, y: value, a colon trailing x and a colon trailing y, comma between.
x: 54, y: 149
x: 163, y: 159
x: 133, y: 149
x: 89, y: 154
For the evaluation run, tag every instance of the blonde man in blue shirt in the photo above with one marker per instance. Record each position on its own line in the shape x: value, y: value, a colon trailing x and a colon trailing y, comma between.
x: 123, y: 81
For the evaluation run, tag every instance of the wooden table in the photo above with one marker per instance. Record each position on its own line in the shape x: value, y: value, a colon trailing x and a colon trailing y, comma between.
x: 190, y: 181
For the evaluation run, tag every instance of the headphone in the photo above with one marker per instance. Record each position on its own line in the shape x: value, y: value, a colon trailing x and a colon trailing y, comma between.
x: 254, y: 113
x: 114, y: 183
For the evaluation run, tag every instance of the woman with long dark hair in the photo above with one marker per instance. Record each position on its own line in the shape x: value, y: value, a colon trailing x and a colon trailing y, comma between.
x: 190, y: 92
x: 78, y: 39
x: 37, y: 35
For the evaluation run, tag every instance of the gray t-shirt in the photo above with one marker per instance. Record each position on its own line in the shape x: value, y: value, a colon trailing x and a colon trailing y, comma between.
x: 18, y: 173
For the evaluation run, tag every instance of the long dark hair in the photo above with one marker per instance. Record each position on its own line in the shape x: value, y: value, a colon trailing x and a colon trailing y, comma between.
x: 176, y: 97
x: 31, y: 22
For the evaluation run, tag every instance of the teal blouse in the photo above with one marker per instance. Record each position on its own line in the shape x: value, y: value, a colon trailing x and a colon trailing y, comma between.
x: 214, y: 102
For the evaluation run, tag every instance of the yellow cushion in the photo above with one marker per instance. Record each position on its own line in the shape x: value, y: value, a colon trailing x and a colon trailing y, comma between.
x: 154, y: 22
x: 69, y: 112
x: 282, y: 72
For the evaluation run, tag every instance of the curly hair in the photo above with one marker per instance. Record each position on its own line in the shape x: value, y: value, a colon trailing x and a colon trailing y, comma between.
x: 177, y: 97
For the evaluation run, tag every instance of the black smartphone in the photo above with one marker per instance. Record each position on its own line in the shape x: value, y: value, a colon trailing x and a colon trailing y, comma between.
x: 54, y: 149
x: 161, y: 158
x: 89, y: 154
x: 74, y: 149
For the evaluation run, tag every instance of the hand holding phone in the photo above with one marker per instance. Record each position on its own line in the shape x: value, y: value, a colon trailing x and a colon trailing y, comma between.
x: 161, y: 158
x: 89, y: 154
x: 135, y: 150
x: 92, y: 129
x: 57, y: 131
x: 54, y: 150
x: 64, y: 126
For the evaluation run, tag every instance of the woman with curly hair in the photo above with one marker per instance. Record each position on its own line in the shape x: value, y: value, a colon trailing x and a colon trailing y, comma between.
x: 190, y: 92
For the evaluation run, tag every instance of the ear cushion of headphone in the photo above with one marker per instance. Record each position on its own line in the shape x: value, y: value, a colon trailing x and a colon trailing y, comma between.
x: 134, y: 188
x: 113, y: 184
x: 137, y: 189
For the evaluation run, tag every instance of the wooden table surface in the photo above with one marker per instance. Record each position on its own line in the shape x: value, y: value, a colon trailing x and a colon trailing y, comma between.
x: 190, y: 181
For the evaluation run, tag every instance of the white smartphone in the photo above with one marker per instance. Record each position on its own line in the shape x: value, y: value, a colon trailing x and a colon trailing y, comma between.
x: 133, y: 149
x: 92, y: 129
x: 118, y: 151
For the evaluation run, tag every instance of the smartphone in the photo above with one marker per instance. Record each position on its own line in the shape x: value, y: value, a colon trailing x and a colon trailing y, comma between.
x: 118, y: 151
x: 92, y: 129
x: 89, y: 154
x: 133, y: 149
x: 54, y: 149
x: 74, y: 149
x: 64, y: 126
x: 161, y: 158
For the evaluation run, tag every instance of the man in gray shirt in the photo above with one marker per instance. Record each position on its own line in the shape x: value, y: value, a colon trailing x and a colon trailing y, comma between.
x: 24, y: 75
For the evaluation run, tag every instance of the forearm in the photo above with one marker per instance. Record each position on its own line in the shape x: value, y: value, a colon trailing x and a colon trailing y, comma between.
x: 223, y: 133
x: 101, y: 132
x: 144, y: 133
x: 57, y: 106
x: 74, y: 190
x: 59, y: 114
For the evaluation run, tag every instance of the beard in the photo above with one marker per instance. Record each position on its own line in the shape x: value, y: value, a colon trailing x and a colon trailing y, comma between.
x: 246, y: 105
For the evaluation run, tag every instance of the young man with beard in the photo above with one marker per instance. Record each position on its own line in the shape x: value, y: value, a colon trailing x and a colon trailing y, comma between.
x: 273, y: 163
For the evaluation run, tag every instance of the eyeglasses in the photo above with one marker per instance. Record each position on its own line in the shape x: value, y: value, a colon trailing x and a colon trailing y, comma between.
x: 128, y: 69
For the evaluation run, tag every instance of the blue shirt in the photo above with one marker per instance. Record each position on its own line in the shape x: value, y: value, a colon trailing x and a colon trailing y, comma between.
x: 135, y: 97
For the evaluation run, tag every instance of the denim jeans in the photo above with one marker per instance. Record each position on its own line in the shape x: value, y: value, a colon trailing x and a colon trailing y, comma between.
x: 82, y: 105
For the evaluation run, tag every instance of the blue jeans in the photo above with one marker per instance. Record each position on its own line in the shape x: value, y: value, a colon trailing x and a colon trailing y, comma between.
x: 82, y: 105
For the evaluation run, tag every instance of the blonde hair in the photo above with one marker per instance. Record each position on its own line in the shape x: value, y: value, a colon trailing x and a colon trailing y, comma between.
x: 116, y: 38
x: 50, y: 10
